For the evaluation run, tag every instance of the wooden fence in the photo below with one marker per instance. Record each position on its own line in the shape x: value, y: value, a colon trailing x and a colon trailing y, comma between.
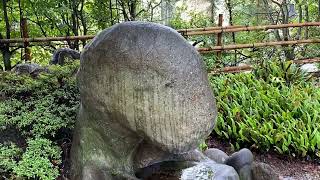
x: 205, y: 31
x: 243, y: 68
x: 198, y: 31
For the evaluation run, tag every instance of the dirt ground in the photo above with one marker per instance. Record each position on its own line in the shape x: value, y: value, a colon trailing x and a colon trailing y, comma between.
x: 288, y: 168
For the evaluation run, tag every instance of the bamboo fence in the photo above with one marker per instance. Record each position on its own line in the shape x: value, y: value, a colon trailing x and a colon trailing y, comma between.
x: 229, y: 29
x: 46, y: 39
x: 256, y: 45
x: 196, y: 31
x: 243, y: 68
x: 206, y: 31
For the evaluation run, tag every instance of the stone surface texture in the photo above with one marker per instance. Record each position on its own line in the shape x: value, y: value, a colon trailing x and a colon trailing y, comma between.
x: 240, y: 159
x: 59, y: 56
x: 245, y: 172
x: 143, y: 89
x: 262, y: 171
x: 216, y: 154
x: 209, y: 171
x: 29, y: 69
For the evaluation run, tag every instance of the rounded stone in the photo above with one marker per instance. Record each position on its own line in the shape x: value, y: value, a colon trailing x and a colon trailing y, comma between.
x: 240, y: 159
x: 216, y: 154
x: 262, y: 171
x: 209, y: 171
x: 245, y: 172
x: 28, y: 68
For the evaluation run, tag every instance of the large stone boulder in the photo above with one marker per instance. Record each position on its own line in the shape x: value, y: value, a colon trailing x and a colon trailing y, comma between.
x: 145, y: 98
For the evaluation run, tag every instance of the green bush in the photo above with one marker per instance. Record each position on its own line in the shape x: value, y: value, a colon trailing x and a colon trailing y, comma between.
x: 268, y: 116
x: 41, y: 111
x: 39, y: 160
x: 281, y: 72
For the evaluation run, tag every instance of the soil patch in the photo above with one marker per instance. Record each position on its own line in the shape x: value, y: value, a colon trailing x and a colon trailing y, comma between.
x: 288, y: 167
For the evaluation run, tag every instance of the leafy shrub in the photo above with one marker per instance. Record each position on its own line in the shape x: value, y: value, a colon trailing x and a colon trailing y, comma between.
x: 268, y: 116
x: 281, y: 72
x: 42, y: 111
x: 196, y: 19
x: 8, y: 156
x: 39, y: 160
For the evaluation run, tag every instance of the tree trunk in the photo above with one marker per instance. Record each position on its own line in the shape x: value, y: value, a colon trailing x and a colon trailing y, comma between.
x: 5, y: 50
x: 166, y: 11
x: 6, y: 58
x: 83, y: 22
x: 300, y: 21
x: 213, y: 11
x: 74, y: 17
x: 133, y: 10
x: 269, y: 15
x: 306, y: 35
x: 318, y: 10
x: 306, y: 8
x: 111, y: 15
x: 231, y: 24
x: 288, y: 50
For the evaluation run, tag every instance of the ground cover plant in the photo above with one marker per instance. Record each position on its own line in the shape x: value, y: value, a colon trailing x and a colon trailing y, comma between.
x: 36, y: 119
x: 268, y: 114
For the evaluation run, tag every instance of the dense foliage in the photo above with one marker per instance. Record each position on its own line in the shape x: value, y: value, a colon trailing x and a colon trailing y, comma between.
x: 273, y: 108
x: 36, y: 118
x: 54, y: 18
x: 268, y: 115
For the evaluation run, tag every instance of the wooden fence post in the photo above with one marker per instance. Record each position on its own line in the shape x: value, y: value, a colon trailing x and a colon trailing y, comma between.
x: 219, y: 39
x: 25, y: 35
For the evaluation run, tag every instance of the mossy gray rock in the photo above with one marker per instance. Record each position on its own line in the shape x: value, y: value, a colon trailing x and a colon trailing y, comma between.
x: 209, y: 171
x: 29, y: 69
x: 216, y: 154
x: 145, y: 98
x: 262, y: 171
x: 240, y: 159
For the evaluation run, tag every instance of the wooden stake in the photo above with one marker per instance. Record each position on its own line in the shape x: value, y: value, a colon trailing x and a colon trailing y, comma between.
x: 25, y: 35
x: 219, y: 37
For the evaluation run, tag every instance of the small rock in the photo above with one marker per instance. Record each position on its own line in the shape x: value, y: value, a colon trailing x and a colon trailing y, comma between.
x: 245, y: 173
x: 216, y: 154
x: 209, y: 171
x: 60, y: 55
x: 240, y: 159
x: 29, y: 69
x: 262, y: 171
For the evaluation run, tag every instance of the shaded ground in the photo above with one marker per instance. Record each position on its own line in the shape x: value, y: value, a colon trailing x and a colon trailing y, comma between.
x: 288, y: 168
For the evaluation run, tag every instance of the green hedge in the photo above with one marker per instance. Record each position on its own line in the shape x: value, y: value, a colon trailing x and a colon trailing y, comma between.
x: 39, y: 113
x: 268, y: 116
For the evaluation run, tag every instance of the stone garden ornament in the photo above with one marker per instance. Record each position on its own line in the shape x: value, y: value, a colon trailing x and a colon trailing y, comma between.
x: 145, y: 99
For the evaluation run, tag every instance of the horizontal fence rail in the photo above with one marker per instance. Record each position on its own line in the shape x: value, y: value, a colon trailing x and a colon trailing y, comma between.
x: 230, y: 29
x: 206, y: 31
x: 195, y: 31
x: 242, y: 68
x: 256, y: 45
x: 46, y: 39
